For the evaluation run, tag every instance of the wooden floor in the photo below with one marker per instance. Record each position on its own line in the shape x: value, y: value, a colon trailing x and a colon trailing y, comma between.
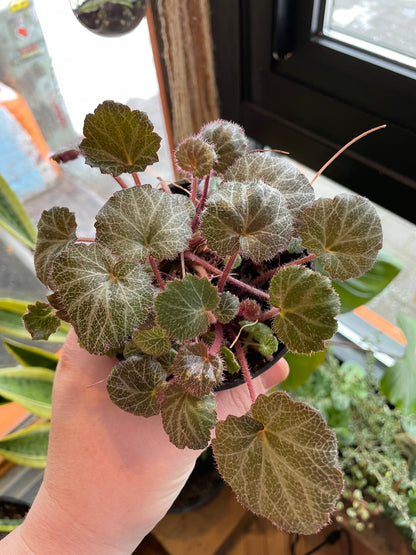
x: 223, y: 528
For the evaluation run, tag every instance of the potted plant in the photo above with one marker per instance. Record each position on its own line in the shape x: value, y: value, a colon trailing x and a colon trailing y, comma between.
x: 190, y: 291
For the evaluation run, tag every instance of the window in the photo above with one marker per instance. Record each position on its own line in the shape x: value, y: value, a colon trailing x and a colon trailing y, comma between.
x: 297, y: 79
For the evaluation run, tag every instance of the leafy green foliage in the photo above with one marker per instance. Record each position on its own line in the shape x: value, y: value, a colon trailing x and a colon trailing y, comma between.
x: 56, y: 232
x: 308, y: 307
x: 187, y: 418
x: 345, y: 231
x: 301, y: 367
x: 27, y: 355
x: 377, y: 472
x: 195, y: 156
x: 229, y: 142
x: 227, y: 307
x: 277, y: 172
x: 265, y: 341
x: 134, y: 385
x: 13, y: 217
x: 40, y: 320
x: 197, y: 371
x: 28, y: 447
x: 399, y: 381
x: 31, y: 387
x: 152, y: 341
x: 140, y: 221
x: 355, y: 292
x: 250, y: 217
x: 282, y: 462
x: 11, y: 313
x: 230, y: 361
x: 118, y: 139
x: 105, y: 298
x: 182, y: 309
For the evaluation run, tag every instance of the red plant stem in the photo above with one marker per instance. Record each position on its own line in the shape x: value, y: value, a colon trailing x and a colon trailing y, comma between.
x: 268, y: 314
x: 155, y: 269
x: 194, y: 187
x: 236, y: 282
x: 120, y: 181
x: 86, y: 239
x: 274, y: 271
x: 246, y: 371
x: 217, y: 343
x: 203, y: 200
x: 136, y: 178
x: 341, y: 150
x: 227, y: 270
x: 164, y: 186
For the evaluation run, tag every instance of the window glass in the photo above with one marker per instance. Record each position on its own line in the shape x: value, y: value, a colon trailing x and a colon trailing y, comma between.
x: 383, y: 27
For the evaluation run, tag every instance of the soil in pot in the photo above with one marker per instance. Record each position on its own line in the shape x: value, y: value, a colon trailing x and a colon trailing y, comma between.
x: 202, y: 485
x: 11, y: 512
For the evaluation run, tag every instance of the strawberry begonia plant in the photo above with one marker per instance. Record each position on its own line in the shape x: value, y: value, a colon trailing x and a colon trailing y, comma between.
x: 190, y: 288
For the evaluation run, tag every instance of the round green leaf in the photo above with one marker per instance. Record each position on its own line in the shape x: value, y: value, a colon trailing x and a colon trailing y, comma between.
x: 152, y: 341
x: 40, y: 320
x: 188, y: 419
x: 140, y: 221
x: 105, y: 299
x: 345, y: 231
x: 11, y: 323
x: 195, y: 156
x: 228, y: 139
x: 251, y: 217
x: 134, y: 385
x: 227, y: 307
x: 56, y: 231
x: 31, y: 387
x: 118, y: 139
x: 182, y: 308
x: 277, y: 172
x: 197, y: 371
x: 28, y: 447
x: 308, y: 307
x: 281, y: 462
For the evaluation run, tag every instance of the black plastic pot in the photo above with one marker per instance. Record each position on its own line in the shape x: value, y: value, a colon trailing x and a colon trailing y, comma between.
x: 12, y: 511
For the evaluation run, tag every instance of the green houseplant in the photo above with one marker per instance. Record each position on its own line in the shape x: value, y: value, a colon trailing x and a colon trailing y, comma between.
x: 190, y: 290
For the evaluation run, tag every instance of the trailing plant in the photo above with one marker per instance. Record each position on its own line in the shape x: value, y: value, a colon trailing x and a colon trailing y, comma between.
x: 377, y: 443
x: 175, y: 285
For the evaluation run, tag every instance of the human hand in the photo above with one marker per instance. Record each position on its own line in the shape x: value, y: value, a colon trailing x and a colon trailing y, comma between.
x: 111, y: 476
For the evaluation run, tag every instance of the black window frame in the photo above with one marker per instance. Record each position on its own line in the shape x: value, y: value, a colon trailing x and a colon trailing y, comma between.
x: 318, y: 97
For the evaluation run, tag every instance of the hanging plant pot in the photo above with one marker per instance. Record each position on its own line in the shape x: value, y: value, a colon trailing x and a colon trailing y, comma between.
x: 109, y: 18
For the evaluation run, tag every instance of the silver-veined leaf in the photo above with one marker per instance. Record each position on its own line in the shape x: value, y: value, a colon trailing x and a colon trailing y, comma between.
x: 118, y: 139
x: 195, y: 156
x: 276, y: 172
x: 105, y: 298
x: 134, y: 385
x: 56, y: 232
x: 140, y: 221
x: 308, y: 307
x: 188, y: 419
x: 182, y: 308
x: 11, y: 323
x: 227, y: 307
x: 197, y: 371
x: 248, y: 217
x: 228, y: 139
x: 281, y: 462
x: 153, y: 341
x: 40, y: 320
x: 345, y: 231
